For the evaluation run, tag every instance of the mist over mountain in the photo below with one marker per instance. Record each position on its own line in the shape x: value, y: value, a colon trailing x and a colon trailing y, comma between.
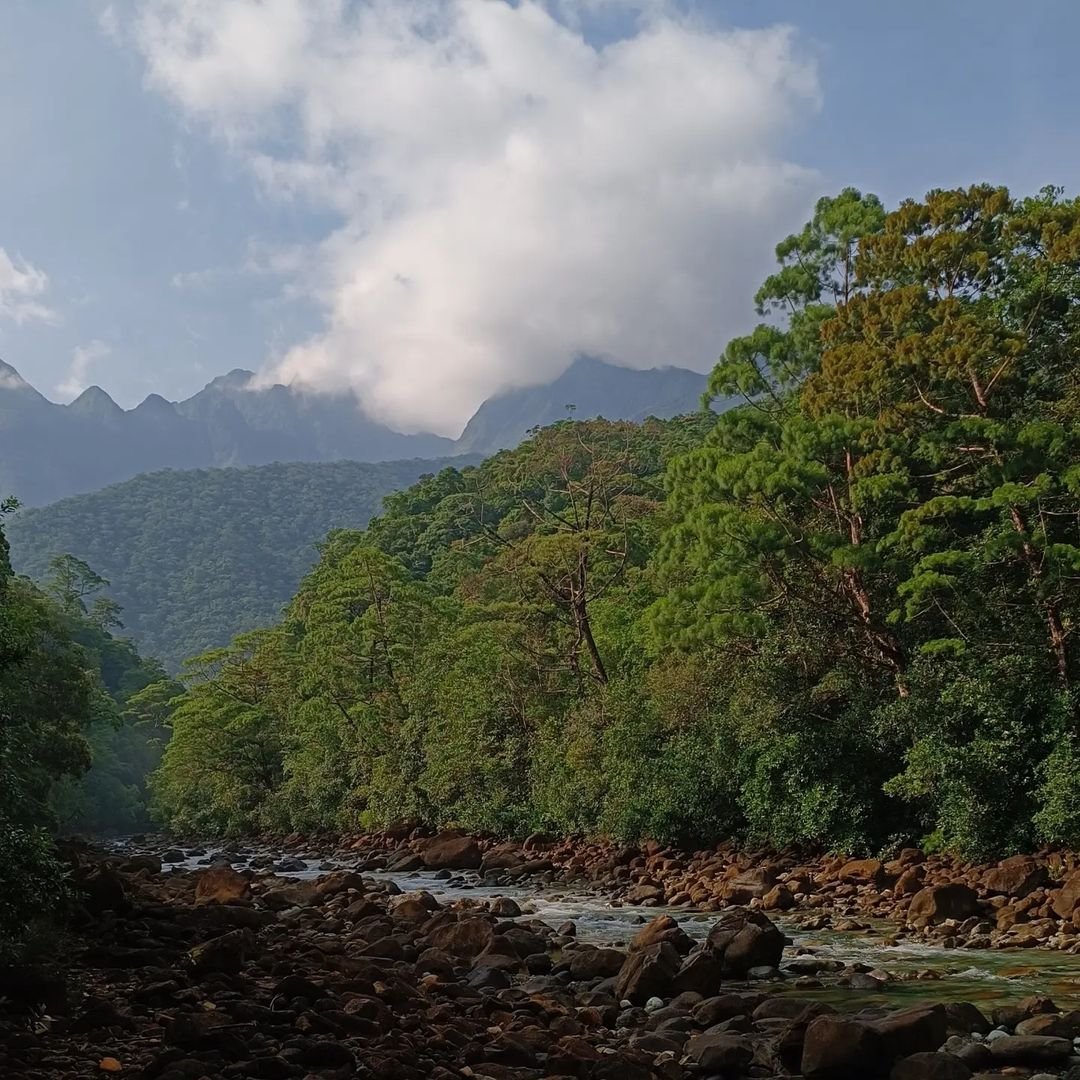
x: 49, y: 451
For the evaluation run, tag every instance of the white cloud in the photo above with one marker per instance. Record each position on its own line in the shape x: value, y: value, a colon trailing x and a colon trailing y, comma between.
x: 510, y: 194
x: 77, y: 377
x: 21, y: 289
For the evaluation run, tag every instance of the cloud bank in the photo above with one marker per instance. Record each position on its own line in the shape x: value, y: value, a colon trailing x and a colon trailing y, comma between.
x: 77, y: 377
x: 511, y: 193
x: 21, y: 289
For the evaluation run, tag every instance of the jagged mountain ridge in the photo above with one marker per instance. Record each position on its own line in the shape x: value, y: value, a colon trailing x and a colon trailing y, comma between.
x: 49, y: 451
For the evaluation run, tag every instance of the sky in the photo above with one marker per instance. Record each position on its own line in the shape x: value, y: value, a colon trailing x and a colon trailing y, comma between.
x: 432, y: 200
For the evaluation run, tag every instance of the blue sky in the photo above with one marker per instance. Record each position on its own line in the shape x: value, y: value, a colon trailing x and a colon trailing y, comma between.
x: 184, y: 194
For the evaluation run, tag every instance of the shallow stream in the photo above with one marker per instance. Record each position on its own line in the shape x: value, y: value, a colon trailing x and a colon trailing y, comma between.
x: 918, y: 972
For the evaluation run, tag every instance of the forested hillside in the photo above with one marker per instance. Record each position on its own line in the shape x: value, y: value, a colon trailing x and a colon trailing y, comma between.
x: 845, y: 613
x: 197, y: 556
x: 83, y: 720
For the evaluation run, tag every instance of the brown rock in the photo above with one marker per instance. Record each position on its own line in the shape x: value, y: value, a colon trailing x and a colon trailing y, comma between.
x: 744, y: 939
x: 589, y: 963
x: 930, y: 1066
x: 863, y: 872
x: 221, y: 885
x: 701, y: 973
x: 910, y: 881
x: 912, y: 1031
x: 1067, y: 899
x: 662, y: 928
x: 936, y: 903
x: 778, y: 898
x: 1017, y: 876
x: 640, y: 894
x: 648, y: 972
x: 225, y: 953
x: 467, y: 938
x: 1031, y: 1050
x: 721, y: 1053
x: 839, y: 1049
x: 452, y: 853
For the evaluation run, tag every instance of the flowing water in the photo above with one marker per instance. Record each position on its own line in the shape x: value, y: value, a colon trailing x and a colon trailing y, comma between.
x: 917, y: 971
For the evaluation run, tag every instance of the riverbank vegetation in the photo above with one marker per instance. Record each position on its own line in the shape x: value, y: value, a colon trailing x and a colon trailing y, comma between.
x: 843, y: 614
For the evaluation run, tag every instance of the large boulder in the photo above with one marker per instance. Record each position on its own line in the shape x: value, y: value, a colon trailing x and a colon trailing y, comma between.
x: 930, y: 1066
x: 726, y: 1053
x: 936, y: 903
x: 751, y: 884
x: 466, y: 938
x: 1016, y: 877
x: 701, y: 973
x: 103, y: 890
x: 662, y: 928
x: 839, y: 1049
x: 912, y: 1031
x: 648, y: 972
x: 589, y: 963
x: 863, y: 872
x: 745, y: 939
x: 1031, y: 1050
x: 221, y: 885
x: 452, y: 853
x: 1066, y: 901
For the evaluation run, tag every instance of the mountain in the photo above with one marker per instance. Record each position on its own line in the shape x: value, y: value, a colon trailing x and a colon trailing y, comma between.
x: 195, y: 557
x: 594, y: 388
x: 49, y: 451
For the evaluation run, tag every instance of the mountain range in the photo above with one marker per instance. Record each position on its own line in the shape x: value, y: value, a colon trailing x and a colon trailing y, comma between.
x: 49, y: 451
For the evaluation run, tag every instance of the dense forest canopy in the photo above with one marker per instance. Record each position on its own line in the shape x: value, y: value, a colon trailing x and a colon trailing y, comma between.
x: 196, y: 557
x: 844, y: 613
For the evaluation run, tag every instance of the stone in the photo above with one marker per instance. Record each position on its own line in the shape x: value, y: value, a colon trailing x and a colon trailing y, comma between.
x: 648, y: 972
x: 641, y: 894
x: 752, y: 884
x: 1017, y: 876
x: 103, y: 890
x: 221, y: 885
x: 835, y: 1048
x: 589, y: 963
x: 662, y: 928
x: 221, y: 954
x: 912, y: 1031
x: 466, y: 938
x: 700, y: 973
x: 1063, y: 1026
x: 721, y: 1053
x: 936, y: 903
x: 452, y: 853
x: 863, y: 872
x: 745, y: 939
x: 1067, y: 899
x: 778, y: 898
x: 930, y: 1066
x: 1031, y: 1050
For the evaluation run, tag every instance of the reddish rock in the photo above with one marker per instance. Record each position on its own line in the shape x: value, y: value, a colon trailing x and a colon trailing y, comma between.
x: 221, y: 885
x: 936, y: 903
x: 863, y: 872
x: 839, y: 1049
x: 662, y: 928
x: 648, y: 972
x: 1017, y: 876
x: 452, y: 853
x: 930, y: 1066
x: 1067, y: 899
x: 745, y: 939
x: 778, y: 898
x: 467, y: 938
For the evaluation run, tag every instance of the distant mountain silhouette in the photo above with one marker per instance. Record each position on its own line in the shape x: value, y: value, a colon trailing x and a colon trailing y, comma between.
x: 587, y: 389
x: 49, y: 451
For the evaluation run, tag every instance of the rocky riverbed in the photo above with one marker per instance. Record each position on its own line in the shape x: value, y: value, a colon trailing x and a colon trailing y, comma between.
x: 413, y: 956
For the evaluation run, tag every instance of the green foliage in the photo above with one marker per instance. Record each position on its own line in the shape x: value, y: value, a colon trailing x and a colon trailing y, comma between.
x: 844, y: 614
x: 196, y: 557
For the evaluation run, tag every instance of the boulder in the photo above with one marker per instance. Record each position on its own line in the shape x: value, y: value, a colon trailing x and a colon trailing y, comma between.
x: 745, y: 939
x: 103, y: 890
x: 749, y: 885
x: 838, y: 1049
x: 1031, y: 1050
x: 1017, y: 877
x: 701, y: 973
x: 725, y: 1053
x: 452, y: 853
x: 648, y: 972
x: 221, y: 954
x: 466, y: 938
x: 589, y: 963
x: 863, y: 872
x: 662, y: 928
x: 642, y: 894
x: 936, y: 903
x: 930, y: 1066
x: 912, y: 1031
x: 778, y: 898
x: 1067, y: 899
x: 221, y: 885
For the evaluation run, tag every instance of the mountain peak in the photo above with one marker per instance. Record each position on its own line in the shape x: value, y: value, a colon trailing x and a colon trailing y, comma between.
x: 237, y: 379
x: 10, y: 379
x: 94, y: 401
